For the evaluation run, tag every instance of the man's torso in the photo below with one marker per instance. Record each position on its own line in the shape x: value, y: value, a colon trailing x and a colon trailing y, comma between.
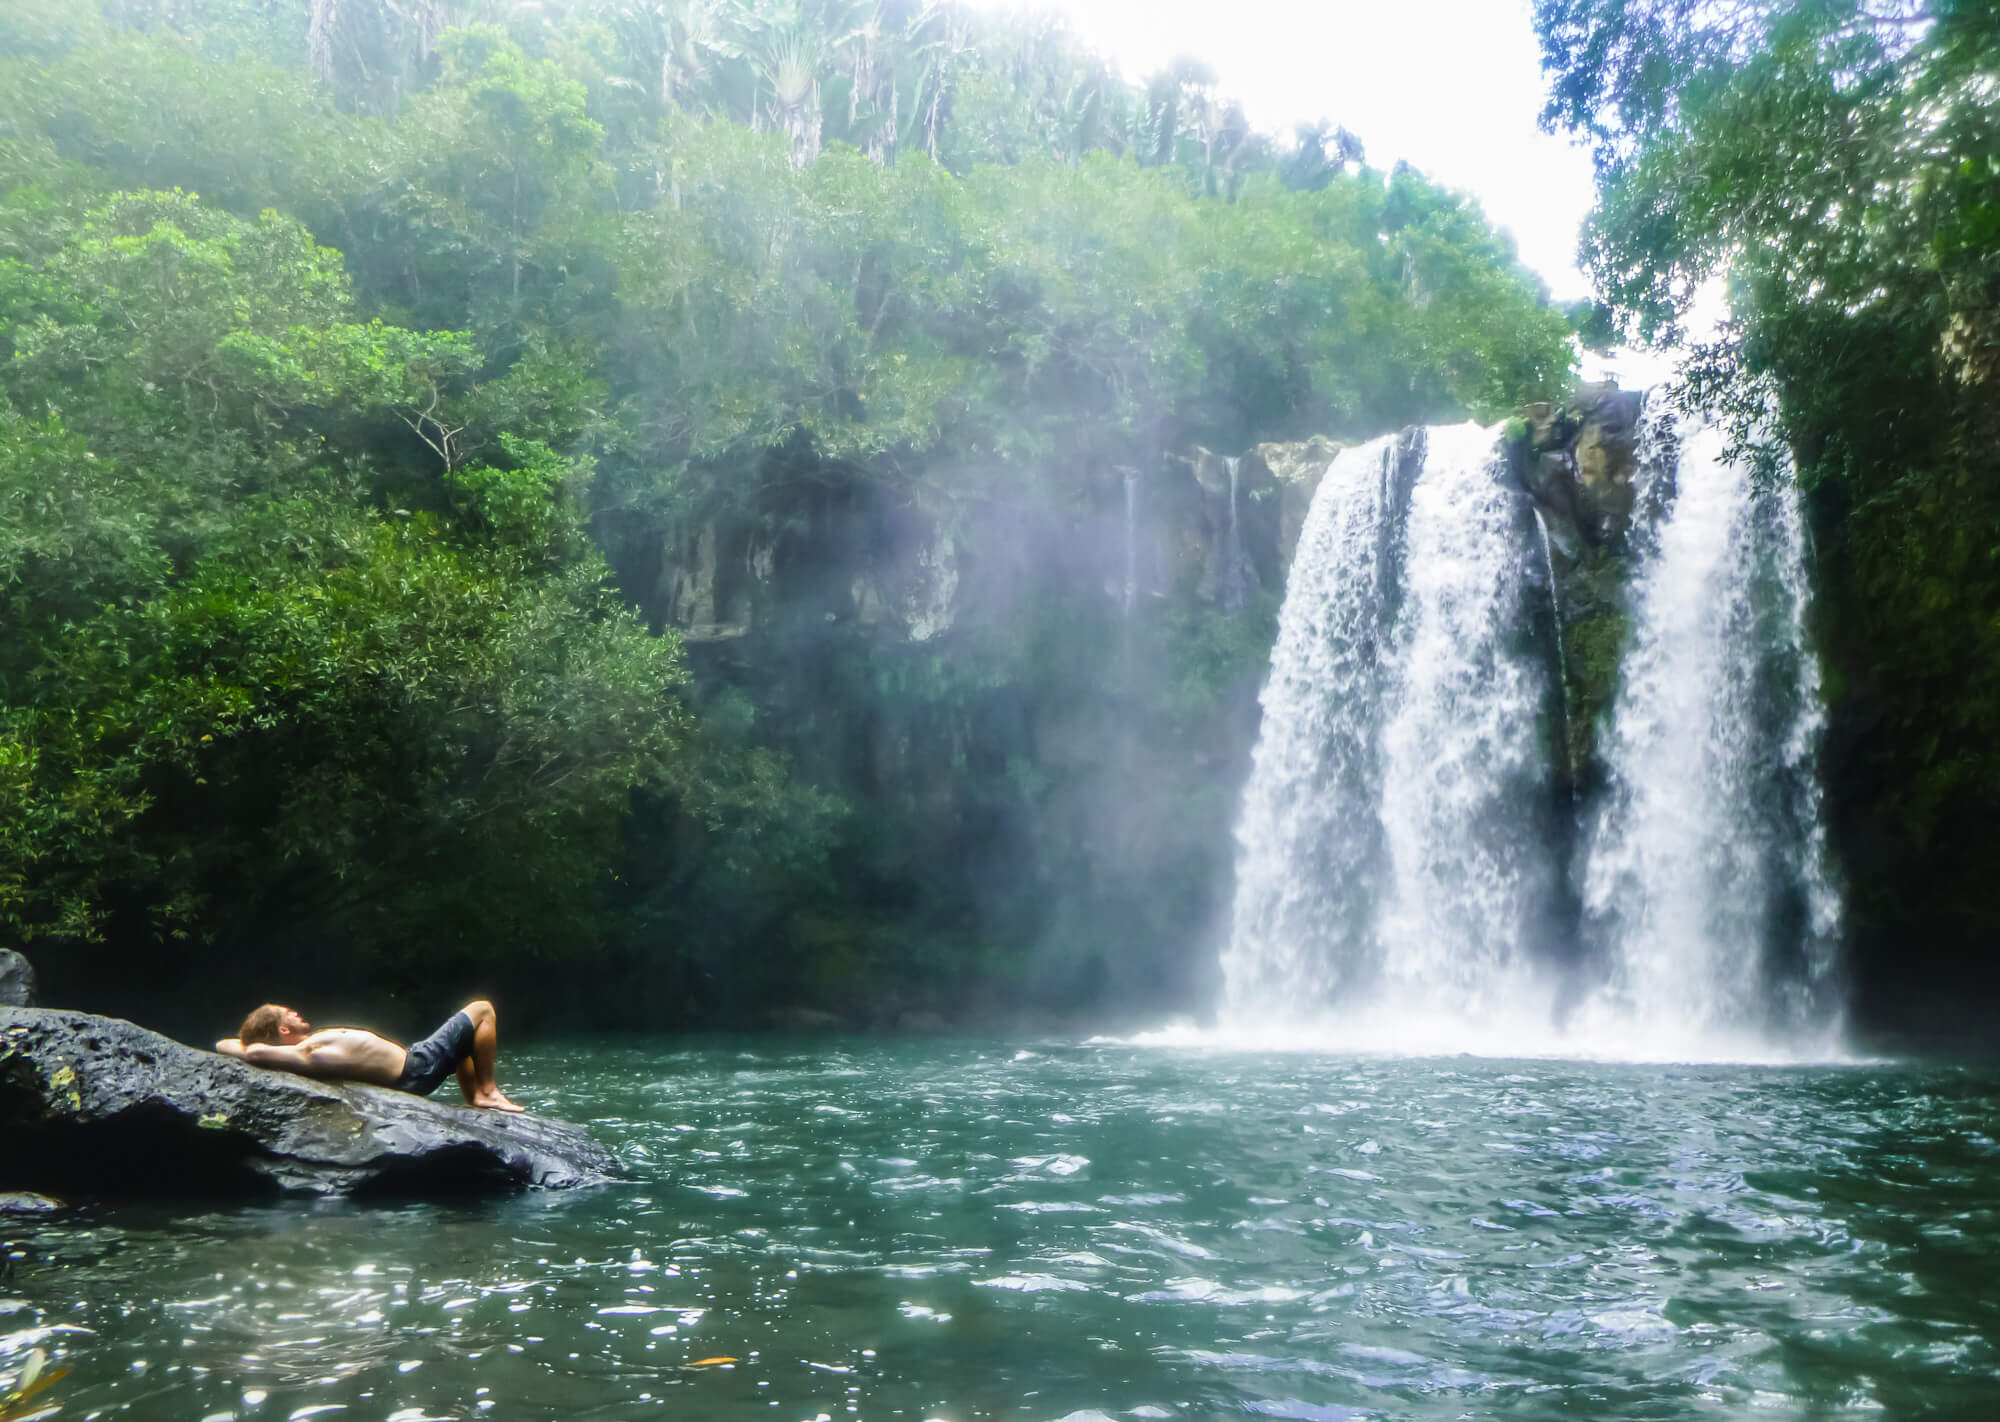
x: 355, y: 1055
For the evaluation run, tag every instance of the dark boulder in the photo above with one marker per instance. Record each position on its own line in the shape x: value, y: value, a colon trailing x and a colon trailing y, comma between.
x: 17, y: 980
x: 94, y: 1105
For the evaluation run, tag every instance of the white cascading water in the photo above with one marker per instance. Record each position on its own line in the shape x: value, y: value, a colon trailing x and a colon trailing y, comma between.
x: 1307, y: 839
x: 1382, y: 863
x: 1396, y: 887
x: 1705, y: 883
x: 1464, y: 762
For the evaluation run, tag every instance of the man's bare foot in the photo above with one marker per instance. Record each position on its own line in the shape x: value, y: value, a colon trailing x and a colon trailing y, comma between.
x: 494, y: 1101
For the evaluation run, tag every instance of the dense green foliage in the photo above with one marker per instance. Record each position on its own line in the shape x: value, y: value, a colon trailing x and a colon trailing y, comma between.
x: 265, y: 658
x: 1838, y: 161
x: 361, y: 374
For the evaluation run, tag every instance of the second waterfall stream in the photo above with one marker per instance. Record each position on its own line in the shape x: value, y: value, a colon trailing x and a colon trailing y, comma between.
x: 1413, y: 872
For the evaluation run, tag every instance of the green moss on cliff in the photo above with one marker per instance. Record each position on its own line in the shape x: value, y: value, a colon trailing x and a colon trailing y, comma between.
x: 1592, y: 649
x: 1596, y: 625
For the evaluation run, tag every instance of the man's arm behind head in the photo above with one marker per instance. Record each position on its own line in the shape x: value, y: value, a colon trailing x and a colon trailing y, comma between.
x: 268, y: 1054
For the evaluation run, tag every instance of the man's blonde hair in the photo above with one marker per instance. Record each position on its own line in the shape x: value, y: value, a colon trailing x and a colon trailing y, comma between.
x: 262, y: 1025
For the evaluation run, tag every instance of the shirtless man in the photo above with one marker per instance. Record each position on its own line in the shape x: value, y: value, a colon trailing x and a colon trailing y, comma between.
x: 275, y: 1036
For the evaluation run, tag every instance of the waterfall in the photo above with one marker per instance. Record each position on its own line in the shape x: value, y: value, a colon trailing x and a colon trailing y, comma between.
x: 1386, y: 850
x: 1705, y: 887
x: 1309, y: 841
x: 1410, y: 868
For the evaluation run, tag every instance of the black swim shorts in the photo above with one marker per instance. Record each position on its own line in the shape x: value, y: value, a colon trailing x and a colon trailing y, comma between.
x: 437, y: 1056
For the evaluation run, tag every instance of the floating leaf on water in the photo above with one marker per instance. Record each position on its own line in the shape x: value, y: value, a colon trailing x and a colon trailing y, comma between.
x: 34, y: 1378
x: 709, y: 1362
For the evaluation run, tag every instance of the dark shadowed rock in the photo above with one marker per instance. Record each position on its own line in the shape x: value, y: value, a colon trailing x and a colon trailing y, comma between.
x: 17, y: 980
x: 1579, y: 462
x: 808, y: 1021
x: 99, y: 1106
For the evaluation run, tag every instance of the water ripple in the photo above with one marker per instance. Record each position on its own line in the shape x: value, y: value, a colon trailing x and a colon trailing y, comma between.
x: 957, y: 1231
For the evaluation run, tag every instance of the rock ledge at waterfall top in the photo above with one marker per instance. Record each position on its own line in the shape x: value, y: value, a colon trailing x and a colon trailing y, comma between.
x: 95, y: 1105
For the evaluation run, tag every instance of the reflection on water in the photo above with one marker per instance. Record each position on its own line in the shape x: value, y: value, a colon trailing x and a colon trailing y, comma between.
x: 1110, y: 1231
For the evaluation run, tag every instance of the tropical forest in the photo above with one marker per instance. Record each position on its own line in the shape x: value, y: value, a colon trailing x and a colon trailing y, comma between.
x: 1087, y: 755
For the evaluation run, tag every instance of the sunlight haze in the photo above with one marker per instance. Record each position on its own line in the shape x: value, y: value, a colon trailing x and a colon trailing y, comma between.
x: 1453, y: 86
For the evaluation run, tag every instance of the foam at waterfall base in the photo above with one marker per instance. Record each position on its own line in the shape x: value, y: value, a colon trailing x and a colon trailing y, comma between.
x: 1517, y: 1034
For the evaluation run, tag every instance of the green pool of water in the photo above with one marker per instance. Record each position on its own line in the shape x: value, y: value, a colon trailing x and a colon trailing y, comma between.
x: 1058, y: 1231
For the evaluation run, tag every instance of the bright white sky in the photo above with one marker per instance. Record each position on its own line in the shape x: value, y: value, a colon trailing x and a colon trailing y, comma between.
x: 1451, y: 85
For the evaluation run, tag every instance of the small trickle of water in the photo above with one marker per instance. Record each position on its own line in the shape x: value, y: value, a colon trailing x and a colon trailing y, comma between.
x: 1549, y: 567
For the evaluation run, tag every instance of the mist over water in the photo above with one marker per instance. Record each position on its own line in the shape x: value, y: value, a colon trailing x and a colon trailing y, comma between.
x: 1401, y: 873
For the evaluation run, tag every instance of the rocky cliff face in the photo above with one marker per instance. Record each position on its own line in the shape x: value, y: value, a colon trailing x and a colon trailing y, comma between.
x: 1578, y: 462
x: 1295, y: 470
x: 1217, y: 528
x: 848, y: 553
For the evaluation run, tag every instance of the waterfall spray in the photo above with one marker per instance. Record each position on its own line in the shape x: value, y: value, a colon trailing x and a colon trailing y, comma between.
x: 1232, y: 544
x: 1129, y: 592
x: 1403, y: 874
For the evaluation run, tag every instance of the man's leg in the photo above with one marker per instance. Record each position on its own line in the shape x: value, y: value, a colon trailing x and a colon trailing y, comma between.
x: 475, y: 1073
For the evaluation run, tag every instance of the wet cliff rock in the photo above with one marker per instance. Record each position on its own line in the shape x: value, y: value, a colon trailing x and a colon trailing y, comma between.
x: 1294, y: 470
x: 95, y: 1105
x: 840, y: 552
x: 1222, y: 527
x: 1579, y: 462
x: 17, y: 980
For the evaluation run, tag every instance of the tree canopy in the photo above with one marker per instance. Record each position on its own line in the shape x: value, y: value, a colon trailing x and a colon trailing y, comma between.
x: 369, y: 369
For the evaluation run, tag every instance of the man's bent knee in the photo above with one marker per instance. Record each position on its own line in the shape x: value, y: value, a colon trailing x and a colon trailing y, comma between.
x: 480, y: 1011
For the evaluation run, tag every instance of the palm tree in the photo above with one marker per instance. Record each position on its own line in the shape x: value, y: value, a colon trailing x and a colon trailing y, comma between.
x: 789, y: 48
x: 371, y: 51
x: 1179, y: 98
x: 940, y: 39
x: 1323, y: 152
x: 680, y: 44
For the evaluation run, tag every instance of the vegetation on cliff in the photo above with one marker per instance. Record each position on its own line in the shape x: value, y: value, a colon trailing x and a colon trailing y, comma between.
x: 366, y: 380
